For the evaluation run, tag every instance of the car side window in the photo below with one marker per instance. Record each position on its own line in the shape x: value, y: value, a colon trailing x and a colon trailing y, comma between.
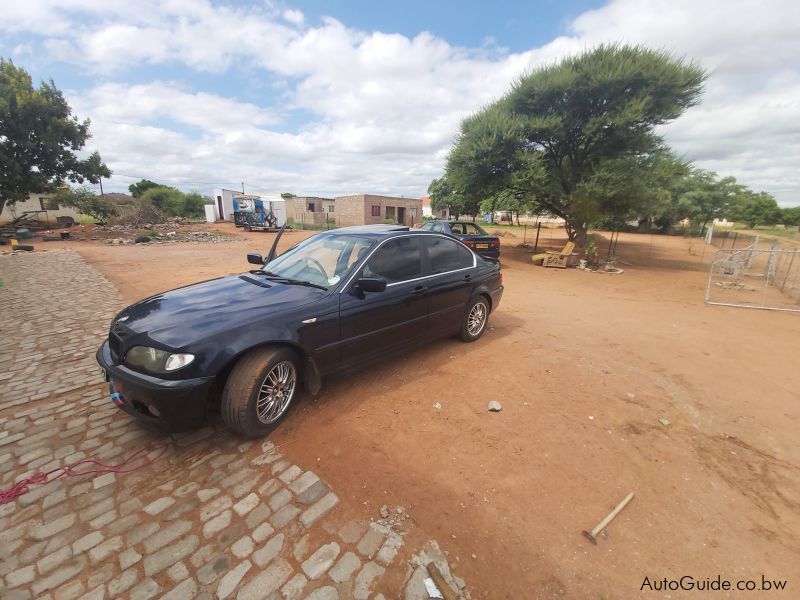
x: 397, y: 260
x: 457, y: 228
x: 447, y: 255
x: 427, y: 226
x: 437, y: 227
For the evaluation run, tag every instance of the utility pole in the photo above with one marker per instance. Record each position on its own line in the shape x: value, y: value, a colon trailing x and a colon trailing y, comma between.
x: 243, y: 187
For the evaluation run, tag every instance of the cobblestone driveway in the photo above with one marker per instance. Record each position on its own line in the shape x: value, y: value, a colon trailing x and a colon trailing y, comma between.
x: 215, y: 517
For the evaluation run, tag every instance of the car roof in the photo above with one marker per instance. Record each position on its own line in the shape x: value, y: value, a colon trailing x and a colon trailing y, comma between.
x: 370, y: 230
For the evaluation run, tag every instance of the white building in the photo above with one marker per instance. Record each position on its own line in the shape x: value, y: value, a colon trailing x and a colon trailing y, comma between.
x: 46, y: 209
x: 223, y: 201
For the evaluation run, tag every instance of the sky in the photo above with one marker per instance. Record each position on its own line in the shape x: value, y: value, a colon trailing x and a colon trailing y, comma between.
x: 333, y: 97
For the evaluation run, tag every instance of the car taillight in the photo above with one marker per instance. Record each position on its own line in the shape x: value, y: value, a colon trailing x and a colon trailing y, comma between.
x: 469, y: 243
x: 495, y: 243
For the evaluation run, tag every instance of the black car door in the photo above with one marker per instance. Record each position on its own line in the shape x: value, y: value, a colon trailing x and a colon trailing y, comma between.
x: 376, y: 323
x: 451, y: 266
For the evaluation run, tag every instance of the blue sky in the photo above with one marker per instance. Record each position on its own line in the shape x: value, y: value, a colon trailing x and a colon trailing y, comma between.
x: 347, y: 97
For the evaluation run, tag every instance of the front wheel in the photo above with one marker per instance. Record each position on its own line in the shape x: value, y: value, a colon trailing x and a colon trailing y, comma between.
x: 475, y: 319
x: 260, y: 390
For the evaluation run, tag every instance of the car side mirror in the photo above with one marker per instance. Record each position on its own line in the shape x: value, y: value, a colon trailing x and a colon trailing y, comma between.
x: 371, y: 284
x: 255, y: 258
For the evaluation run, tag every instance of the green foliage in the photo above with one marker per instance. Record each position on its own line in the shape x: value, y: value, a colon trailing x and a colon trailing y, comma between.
x: 193, y: 205
x: 442, y: 196
x: 175, y: 203
x: 39, y: 138
x: 791, y: 216
x: 140, y: 187
x: 570, y: 138
x: 706, y: 198
x: 755, y: 209
x: 87, y: 203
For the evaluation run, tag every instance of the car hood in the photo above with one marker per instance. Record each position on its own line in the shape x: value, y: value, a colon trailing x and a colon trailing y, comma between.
x: 182, y: 315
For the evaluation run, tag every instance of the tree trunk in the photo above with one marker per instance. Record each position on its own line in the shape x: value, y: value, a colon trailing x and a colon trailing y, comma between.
x: 2, y: 205
x: 578, y: 233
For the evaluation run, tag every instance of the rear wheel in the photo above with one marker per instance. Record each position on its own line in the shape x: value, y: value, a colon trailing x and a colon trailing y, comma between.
x: 260, y: 390
x: 475, y: 319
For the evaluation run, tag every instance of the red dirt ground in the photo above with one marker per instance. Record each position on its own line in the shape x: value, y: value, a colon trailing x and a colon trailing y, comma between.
x: 584, y: 365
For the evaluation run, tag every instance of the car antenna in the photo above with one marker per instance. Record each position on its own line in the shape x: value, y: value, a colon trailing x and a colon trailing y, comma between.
x: 272, y: 250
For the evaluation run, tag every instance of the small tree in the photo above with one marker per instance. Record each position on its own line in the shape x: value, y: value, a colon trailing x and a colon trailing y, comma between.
x: 87, y: 203
x: 193, y: 205
x: 39, y: 139
x: 166, y: 199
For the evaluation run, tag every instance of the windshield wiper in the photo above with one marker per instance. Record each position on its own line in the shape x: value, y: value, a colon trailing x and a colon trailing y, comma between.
x: 287, y: 280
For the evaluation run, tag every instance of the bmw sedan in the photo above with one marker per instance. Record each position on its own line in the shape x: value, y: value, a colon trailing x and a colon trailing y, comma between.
x: 245, y: 345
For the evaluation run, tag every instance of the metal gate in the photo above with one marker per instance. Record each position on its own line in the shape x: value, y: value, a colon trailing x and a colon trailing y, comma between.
x: 753, y: 278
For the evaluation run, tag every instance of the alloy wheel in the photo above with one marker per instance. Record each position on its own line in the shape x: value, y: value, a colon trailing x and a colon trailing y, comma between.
x: 276, y: 392
x: 476, y: 319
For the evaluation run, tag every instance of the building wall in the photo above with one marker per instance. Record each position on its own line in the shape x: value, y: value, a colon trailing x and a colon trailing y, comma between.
x: 313, y: 210
x: 358, y: 210
x: 38, y: 202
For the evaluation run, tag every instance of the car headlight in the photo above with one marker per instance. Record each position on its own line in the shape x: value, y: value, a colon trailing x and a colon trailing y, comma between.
x: 159, y: 361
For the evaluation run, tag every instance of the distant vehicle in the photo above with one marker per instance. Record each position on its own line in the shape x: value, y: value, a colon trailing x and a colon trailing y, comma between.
x: 244, y: 344
x: 471, y: 234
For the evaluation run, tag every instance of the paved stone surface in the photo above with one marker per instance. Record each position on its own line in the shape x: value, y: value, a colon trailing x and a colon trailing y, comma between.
x: 216, y: 517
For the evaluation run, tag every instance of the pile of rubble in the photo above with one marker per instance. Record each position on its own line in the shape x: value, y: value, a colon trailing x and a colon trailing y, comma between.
x: 169, y: 237
x: 169, y: 224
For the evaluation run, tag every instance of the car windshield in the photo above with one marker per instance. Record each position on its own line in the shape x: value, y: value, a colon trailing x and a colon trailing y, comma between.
x: 322, y: 260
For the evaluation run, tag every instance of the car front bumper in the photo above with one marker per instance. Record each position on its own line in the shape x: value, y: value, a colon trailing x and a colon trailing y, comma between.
x: 173, y: 404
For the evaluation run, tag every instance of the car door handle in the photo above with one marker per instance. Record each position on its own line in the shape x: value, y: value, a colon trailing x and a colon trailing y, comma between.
x: 467, y: 277
x: 419, y: 290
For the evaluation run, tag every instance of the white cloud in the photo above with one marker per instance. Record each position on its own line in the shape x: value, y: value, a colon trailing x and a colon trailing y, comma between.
x: 384, y: 108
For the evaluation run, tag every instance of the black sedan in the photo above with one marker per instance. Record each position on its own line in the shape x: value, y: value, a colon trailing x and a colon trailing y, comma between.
x: 473, y: 236
x: 244, y: 344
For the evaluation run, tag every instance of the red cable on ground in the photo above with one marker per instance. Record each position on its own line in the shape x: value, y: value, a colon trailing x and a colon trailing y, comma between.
x: 23, y: 486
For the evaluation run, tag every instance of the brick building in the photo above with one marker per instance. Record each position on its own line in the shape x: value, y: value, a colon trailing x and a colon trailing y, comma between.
x: 368, y: 209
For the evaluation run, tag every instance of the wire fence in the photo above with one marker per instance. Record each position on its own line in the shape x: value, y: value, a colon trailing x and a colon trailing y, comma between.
x: 755, y: 278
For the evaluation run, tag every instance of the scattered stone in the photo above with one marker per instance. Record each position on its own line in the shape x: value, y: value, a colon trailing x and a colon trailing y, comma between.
x: 122, y: 583
x: 369, y: 544
x: 437, y: 406
x: 211, y: 571
x: 384, y: 511
x: 494, y: 406
x: 242, y: 547
x: 187, y: 589
x: 664, y: 422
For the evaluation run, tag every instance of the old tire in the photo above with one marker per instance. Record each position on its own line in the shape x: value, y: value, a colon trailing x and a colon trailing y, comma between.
x: 260, y: 391
x: 475, y: 319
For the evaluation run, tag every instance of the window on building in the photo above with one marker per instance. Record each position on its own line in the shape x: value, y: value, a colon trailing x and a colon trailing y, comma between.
x: 310, y: 207
x: 414, y: 212
x: 52, y: 204
x: 330, y: 207
x: 376, y: 210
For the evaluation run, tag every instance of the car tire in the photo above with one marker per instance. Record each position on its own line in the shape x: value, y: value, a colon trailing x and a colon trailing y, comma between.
x: 475, y: 319
x: 255, y: 399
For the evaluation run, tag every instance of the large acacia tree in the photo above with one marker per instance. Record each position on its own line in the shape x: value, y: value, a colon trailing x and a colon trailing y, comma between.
x: 39, y: 138
x: 571, y: 136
